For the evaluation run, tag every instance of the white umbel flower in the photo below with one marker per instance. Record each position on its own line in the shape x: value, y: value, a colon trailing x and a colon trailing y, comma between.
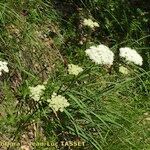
x: 131, y: 55
x: 74, y: 69
x: 58, y: 102
x: 101, y: 55
x: 123, y: 70
x: 3, y: 67
x: 36, y: 92
x: 90, y: 23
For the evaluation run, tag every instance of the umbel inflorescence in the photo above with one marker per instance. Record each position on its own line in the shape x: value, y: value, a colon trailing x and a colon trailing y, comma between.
x: 123, y: 70
x: 3, y: 67
x: 36, y: 92
x: 74, y: 69
x: 131, y: 55
x: 90, y: 23
x: 100, y: 54
x: 58, y: 102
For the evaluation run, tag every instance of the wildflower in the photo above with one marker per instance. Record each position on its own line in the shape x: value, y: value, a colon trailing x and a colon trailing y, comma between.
x: 36, y: 92
x: 131, y: 55
x: 90, y: 23
x: 45, y: 82
x: 74, y: 69
x: 101, y: 55
x: 3, y: 67
x: 123, y: 70
x: 58, y: 102
x: 146, y: 113
x: 148, y: 119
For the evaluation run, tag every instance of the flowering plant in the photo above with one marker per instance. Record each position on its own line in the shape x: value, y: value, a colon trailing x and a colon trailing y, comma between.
x: 131, y: 55
x: 58, y: 102
x: 3, y: 67
x: 101, y: 54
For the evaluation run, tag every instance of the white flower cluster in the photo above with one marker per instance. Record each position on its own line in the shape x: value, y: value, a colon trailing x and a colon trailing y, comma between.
x: 58, y: 102
x: 131, y: 55
x: 101, y: 55
x: 36, y: 92
x: 74, y: 69
x: 3, y: 67
x: 123, y: 70
x: 90, y: 23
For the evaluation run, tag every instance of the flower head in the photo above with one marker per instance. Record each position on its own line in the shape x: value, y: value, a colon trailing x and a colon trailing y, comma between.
x: 58, y: 102
x: 74, y: 69
x: 36, y: 92
x: 101, y: 55
x: 131, y: 55
x: 3, y: 67
x: 90, y: 23
x: 123, y: 70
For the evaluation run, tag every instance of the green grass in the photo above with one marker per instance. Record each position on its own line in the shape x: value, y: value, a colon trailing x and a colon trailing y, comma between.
x: 109, y: 111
